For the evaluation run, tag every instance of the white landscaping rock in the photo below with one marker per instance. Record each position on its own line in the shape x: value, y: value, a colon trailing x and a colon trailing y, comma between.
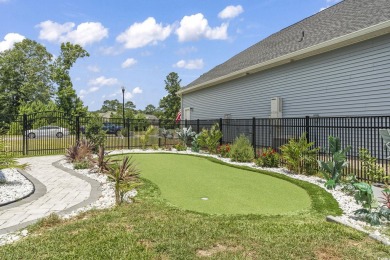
x: 16, y: 186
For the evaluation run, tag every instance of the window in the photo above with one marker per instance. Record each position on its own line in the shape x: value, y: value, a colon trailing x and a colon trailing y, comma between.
x: 187, y: 113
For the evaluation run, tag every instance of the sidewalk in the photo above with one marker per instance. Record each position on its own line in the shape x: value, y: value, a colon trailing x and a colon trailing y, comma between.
x: 57, y: 190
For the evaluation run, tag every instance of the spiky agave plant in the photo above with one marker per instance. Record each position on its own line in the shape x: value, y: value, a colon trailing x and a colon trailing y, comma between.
x: 122, y: 172
x: 81, y: 151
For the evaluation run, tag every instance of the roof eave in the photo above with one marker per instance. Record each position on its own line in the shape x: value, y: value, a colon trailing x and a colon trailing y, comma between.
x: 336, y: 43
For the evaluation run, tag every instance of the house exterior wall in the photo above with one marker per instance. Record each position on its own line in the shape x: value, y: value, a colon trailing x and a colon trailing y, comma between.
x: 354, y: 80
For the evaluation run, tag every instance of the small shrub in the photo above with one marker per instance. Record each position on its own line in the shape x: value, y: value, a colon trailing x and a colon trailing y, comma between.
x: 94, y: 132
x: 123, y: 172
x: 185, y: 135
x: 82, y: 165
x: 224, y: 150
x: 268, y: 158
x: 370, y: 166
x: 180, y: 147
x: 299, y: 156
x: 81, y: 151
x: 155, y: 147
x: 242, y: 150
x: 7, y: 158
x: 195, y: 147
x: 348, y: 184
x: 144, y: 139
x: 332, y: 170
x: 210, y: 138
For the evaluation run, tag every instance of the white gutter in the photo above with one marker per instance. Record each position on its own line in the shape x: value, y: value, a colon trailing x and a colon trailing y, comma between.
x: 336, y: 43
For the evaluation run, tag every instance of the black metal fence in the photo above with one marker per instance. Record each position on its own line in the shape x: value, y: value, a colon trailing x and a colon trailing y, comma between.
x: 52, y: 132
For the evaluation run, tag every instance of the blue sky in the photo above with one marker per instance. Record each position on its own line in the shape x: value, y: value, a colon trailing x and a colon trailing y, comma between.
x: 137, y: 43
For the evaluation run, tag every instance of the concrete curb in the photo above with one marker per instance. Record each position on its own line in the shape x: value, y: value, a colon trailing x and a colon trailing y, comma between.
x: 371, y: 235
x: 40, y: 190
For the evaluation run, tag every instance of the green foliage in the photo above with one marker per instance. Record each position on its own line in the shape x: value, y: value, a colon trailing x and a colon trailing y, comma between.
x: 242, y: 150
x: 170, y: 104
x: 122, y: 172
x: 25, y: 76
x: 79, y: 152
x: 332, y: 170
x: 299, y: 156
x: 370, y: 166
x: 348, y: 184
x: 82, y: 165
x: 185, y: 135
x: 180, y: 147
x: 66, y: 99
x: 7, y: 158
x: 144, y: 139
x: 224, y: 150
x: 101, y: 161
x: 210, y: 138
x: 94, y: 131
x: 386, y: 196
x: 195, y: 147
x: 268, y: 158
x: 166, y: 134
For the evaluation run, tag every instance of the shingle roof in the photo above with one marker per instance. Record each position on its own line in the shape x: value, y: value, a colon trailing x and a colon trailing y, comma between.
x: 343, y: 18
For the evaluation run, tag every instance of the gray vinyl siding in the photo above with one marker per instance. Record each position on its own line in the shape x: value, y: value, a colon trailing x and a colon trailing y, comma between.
x: 354, y: 80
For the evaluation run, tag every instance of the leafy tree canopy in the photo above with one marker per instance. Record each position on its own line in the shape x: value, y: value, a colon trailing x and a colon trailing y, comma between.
x: 170, y: 104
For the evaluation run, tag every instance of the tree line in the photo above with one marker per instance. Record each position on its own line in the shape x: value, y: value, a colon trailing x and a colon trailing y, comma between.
x: 33, y: 80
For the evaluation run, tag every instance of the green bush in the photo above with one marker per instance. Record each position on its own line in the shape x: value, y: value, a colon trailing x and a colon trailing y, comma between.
x: 94, y: 132
x: 268, y: 158
x: 82, y: 165
x: 370, y: 166
x: 195, y: 144
x: 224, y: 150
x: 180, y: 147
x: 210, y: 138
x: 299, y: 157
x: 242, y: 150
x: 144, y: 139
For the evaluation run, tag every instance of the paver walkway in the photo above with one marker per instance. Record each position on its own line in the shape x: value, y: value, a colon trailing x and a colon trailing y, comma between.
x: 56, y: 191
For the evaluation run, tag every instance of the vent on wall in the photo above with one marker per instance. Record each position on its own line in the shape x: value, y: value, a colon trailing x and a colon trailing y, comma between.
x: 276, y: 107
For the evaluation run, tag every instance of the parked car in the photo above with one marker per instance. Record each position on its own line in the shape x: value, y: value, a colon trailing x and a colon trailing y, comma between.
x: 49, y: 131
x: 110, y: 128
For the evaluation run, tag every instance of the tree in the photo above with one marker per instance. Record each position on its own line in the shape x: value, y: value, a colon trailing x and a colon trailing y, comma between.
x: 25, y: 76
x: 170, y: 104
x: 67, y: 99
x: 150, y: 109
x: 110, y: 105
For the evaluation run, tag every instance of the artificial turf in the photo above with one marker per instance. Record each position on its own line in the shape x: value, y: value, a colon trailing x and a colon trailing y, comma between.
x: 200, y: 185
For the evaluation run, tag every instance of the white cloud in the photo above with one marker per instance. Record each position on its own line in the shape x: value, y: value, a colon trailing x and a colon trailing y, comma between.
x: 93, y: 68
x: 195, y: 27
x: 83, y: 34
x: 141, y: 34
x: 128, y: 95
x: 231, y: 11
x: 129, y: 62
x: 9, y: 40
x: 112, y: 51
x: 190, y: 64
x: 93, y: 89
x: 83, y: 92
x: 103, y: 81
x: 187, y: 50
x: 137, y: 90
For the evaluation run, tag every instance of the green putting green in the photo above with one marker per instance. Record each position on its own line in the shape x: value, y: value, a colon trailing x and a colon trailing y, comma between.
x: 198, y: 184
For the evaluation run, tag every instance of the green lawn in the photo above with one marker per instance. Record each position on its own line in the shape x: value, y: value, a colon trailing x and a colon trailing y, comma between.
x: 198, y: 184
x: 151, y: 228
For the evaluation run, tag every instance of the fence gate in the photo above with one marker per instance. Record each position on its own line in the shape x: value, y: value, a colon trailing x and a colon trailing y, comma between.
x: 48, y: 133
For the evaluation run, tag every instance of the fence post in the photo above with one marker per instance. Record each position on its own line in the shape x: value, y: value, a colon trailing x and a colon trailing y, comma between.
x: 254, y: 135
x: 25, y: 148
x: 77, y: 128
x: 159, y: 139
x: 220, y: 129
x: 307, y: 128
x: 197, y: 125
x: 128, y: 132
x: 185, y: 123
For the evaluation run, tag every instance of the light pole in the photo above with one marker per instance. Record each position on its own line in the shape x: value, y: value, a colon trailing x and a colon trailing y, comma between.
x: 123, y: 105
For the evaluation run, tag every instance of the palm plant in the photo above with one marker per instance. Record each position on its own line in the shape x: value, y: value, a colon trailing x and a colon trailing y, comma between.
x: 122, y: 172
x: 101, y: 161
x: 81, y: 151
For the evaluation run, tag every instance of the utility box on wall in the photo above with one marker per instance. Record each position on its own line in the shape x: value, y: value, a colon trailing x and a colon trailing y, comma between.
x: 276, y: 107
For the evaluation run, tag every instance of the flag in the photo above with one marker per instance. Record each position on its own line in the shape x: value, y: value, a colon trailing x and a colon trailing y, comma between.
x: 178, y: 117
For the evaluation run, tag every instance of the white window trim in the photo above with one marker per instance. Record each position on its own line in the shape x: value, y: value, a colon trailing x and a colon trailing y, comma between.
x: 185, y: 113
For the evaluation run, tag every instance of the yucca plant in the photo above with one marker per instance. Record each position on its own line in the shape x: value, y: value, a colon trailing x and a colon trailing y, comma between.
x: 101, y: 161
x: 299, y: 155
x: 122, y: 172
